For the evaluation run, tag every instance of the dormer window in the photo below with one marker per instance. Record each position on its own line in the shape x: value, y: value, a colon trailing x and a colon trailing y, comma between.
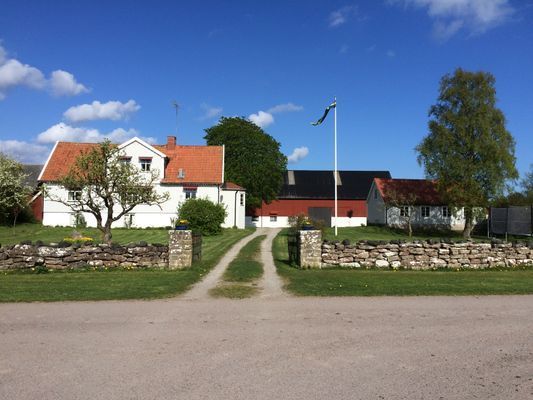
x: 146, y: 163
x: 181, y: 173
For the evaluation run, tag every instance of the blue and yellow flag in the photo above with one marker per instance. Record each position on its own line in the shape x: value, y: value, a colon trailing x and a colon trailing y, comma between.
x: 326, y: 111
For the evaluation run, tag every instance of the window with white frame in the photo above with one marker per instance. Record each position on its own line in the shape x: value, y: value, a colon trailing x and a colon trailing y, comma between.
x: 242, y: 199
x: 255, y: 218
x: 125, y: 160
x: 404, y: 211
x: 128, y: 220
x: 446, y: 213
x: 74, y: 195
x: 273, y: 218
x: 190, y: 193
x: 146, y: 163
x: 424, y: 211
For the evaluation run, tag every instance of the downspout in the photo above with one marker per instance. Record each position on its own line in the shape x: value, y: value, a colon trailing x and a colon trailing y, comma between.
x: 235, y: 210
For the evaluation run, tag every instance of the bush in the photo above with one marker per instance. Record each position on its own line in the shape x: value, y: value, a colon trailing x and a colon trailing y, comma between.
x: 203, y: 215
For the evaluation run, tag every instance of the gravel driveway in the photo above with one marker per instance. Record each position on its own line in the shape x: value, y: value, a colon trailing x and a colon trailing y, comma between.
x: 269, y: 348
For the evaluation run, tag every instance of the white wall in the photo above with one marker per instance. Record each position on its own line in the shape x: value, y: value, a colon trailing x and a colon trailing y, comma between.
x: 375, y: 206
x: 455, y: 222
x: 231, y: 199
x: 283, y: 222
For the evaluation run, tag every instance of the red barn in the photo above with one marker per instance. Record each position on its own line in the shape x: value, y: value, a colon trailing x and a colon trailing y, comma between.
x: 312, y: 193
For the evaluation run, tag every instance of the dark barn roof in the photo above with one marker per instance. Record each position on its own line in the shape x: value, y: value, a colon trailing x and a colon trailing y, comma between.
x: 32, y: 171
x: 305, y: 184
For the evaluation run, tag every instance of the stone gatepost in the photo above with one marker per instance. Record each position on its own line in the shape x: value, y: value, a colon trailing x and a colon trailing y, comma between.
x: 179, y: 249
x: 310, y: 249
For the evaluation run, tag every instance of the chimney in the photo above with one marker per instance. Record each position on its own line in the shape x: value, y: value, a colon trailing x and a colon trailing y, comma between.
x: 171, y: 142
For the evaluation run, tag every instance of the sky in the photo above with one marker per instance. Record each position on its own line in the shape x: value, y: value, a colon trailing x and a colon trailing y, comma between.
x: 82, y: 71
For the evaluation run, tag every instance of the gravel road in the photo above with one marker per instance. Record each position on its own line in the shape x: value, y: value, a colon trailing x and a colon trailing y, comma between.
x: 269, y: 348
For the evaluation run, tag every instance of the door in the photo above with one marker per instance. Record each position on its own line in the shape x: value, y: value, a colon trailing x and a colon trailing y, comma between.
x: 322, y: 214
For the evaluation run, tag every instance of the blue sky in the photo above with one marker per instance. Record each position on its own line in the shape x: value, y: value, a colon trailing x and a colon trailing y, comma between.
x: 84, y: 70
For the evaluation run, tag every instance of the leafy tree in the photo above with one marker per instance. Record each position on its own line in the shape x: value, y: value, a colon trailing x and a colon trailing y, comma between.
x: 203, y: 215
x: 110, y: 188
x: 253, y: 159
x: 527, y: 183
x: 13, y: 192
x: 403, y: 201
x: 468, y: 148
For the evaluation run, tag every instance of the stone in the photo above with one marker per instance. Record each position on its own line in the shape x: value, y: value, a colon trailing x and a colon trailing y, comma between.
x: 382, y: 264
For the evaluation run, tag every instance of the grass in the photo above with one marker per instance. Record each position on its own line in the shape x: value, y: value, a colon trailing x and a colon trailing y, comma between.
x: 343, y: 282
x: 245, y: 267
x: 48, y: 234
x: 242, y: 273
x: 381, y: 233
x: 116, y: 284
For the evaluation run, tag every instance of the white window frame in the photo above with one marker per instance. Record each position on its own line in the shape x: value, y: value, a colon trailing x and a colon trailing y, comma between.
x: 145, y: 164
x: 74, y: 195
x: 273, y: 218
x: 405, y: 211
x: 446, y: 212
x: 242, y: 199
x: 423, y: 210
x: 190, y: 193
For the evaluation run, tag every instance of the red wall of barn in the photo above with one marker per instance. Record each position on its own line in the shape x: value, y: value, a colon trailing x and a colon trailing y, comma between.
x: 288, y: 207
x: 37, y: 207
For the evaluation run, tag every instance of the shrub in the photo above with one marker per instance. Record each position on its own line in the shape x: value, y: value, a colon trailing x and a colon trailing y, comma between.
x: 203, y: 215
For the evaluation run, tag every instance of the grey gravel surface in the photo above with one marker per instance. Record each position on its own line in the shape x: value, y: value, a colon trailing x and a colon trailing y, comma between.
x: 269, y: 348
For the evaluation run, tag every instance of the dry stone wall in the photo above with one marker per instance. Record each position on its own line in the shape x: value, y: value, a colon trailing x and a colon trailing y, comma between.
x: 65, y: 256
x: 429, y: 254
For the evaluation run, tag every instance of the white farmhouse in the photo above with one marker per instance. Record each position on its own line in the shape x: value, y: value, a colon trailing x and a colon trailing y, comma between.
x: 183, y: 171
x: 427, y: 210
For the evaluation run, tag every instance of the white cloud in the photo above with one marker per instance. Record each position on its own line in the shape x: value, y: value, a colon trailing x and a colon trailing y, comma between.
x: 13, y: 73
x: 298, y: 154
x: 477, y: 16
x: 287, y: 107
x: 113, y: 110
x: 265, y: 118
x: 25, y: 152
x: 262, y: 119
x: 210, y: 112
x: 341, y: 16
x: 67, y: 133
x: 63, y: 83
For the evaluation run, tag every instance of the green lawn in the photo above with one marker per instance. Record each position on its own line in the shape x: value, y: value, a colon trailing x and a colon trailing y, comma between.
x: 116, y: 284
x: 49, y: 234
x: 242, y: 273
x: 345, y: 282
x: 379, y: 233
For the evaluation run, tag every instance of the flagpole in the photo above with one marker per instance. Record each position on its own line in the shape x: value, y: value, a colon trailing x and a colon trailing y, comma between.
x: 336, y: 166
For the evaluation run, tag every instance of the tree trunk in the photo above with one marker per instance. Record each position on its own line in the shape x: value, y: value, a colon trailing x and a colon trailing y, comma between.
x: 410, y: 228
x: 107, y: 233
x: 467, y: 231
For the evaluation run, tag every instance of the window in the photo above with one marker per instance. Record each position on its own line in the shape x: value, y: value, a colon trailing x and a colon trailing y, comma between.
x: 255, y: 218
x: 74, y: 195
x: 404, y: 211
x: 128, y: 220
x: 221, y: 198
x: 273, y: 218
x: 424, y: 210
x: 125, y: 160
x: 190, y: 194
x: 77, y: 220
x: 446, y: 212
x: 242, y: 199
x: 146, y: 163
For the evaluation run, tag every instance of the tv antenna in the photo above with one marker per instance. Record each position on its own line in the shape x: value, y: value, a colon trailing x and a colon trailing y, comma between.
x: 177, y: 107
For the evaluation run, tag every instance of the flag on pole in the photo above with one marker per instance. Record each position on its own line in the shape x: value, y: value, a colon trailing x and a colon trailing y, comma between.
x: 326, y: 111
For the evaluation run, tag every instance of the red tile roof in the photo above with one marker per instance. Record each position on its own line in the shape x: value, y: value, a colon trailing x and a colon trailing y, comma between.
x: 232, y: 186
x: 425, y: 190
x: 200, y: 164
